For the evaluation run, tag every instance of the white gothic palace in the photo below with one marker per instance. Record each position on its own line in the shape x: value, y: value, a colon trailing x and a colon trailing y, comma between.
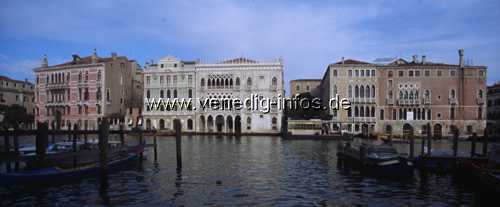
x: 237, y: 78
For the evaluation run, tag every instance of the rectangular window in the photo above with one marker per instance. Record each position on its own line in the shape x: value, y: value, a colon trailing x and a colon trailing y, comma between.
x: 401, y: 73
x: 161, y: 79
x: 452, y: 113
x: 381, y: 114
x: 350, y: 73
x: 373, y: 73
x: 362, y: 73
x: 334, y: 72
x: 410, y: 73
x: 148, y: 80
x: 356, y: 72
x: 439, y: 73
x: 427, y: 73
x: 417, y: 73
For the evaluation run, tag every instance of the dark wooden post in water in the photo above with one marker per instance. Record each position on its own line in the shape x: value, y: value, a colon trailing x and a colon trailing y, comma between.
x: 42, y: 140
x: 473, y: 145
x: 177, y: 127
x: 122, y: 135
x: 455, y: 142
x: 85, y: 139
x: 412, y: 146
x: 103, y: 146
x: 7, y: 149
x: 390, y: 139
x: 16, y: 150
x: 75, y: 135
x: 429, y: 139
x: 485, y: 142
x: 141, y: 156
x: 155, y: 148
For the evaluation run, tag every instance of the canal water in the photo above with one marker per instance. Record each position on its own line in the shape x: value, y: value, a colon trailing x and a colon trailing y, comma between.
x: 248, y: 171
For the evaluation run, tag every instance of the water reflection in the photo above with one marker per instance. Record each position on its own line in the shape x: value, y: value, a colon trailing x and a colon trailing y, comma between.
x: 247, y: 171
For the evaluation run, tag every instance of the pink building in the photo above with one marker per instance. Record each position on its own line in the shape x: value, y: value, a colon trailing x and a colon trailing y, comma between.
x: 83, y: 90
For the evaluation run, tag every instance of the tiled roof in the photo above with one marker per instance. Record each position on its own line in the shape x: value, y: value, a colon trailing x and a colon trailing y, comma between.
x: 86, y: 60
x: 351, y: 62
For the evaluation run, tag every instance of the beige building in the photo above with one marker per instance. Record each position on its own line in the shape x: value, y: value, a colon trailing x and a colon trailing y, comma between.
x: 387, y: 98
x: 17, y: 92
x: 304, y: 86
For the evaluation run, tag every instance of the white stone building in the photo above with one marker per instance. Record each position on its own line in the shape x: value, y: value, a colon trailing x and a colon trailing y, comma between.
x: 238, y: 78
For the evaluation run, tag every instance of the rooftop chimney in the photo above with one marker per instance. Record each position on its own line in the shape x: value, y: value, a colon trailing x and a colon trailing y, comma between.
x: 415, y: 58
x: 423, y: 59
x: 75, y: 57
x: 343, y: 60
x: 114, y: 55
x: 94, y: 56
x: 461, y: 57
x: 45, y: 62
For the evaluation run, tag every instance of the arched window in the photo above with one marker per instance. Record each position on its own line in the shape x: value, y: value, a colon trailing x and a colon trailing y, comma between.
x: 362, y: 111
x: 274, y: 81
x: 373, y: 111
x: 226, y: 83
x: 168, y: 93
x: 175, y: 93
x: 452, y: 93
x: 356, y: 111
x: 190, y: 124
x: 231, y: 82
x: 350, y: 91
x: 190, y: 93
x: 480, y: 93
x: 249, y: 81
x: 161, y: 93
x: 427, y: 94
x: 148, y: 94
x: 367, y: 111
x: 213, y: 82
x: 367, y: 91
x: 274, y: 120
x: 202, y: 83
x: 373, y: 89
x: 356, y: 92
x: 249, y: 123
x: 362, y: 92
x: 237, y: 81
x: 217, y: 83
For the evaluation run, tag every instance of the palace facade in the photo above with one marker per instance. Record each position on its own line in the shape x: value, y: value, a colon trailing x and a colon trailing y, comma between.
x: 232, y: 79
x: 84, y: 90
x: 392, y: 95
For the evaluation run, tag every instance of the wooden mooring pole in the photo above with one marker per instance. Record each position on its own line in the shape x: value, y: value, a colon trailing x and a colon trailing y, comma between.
x: 16, y: 150
x: 412, y: 146
x: 177, y: 127
x: 485, y: 142
x: 473, y: 145
x: 103, y: 147
x: 429, y: 139
x: 7, y: 150
x: 155, y: 148
x: 122, y: 135
x: 455, y: 143
x: 42, y: 140
x: 75, y: 137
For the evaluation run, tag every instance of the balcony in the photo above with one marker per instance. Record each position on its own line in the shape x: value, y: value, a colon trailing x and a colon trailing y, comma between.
x: 426, y: 101
x: 452, y: 101
x: 479, y: 101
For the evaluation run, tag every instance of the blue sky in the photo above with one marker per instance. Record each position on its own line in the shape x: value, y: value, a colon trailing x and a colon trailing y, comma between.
x: 308, y: 35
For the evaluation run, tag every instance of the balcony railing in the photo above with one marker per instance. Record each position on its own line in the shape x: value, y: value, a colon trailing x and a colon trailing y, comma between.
x: 389, y: 101
x: 426, y: 101
x: 479, y: 101
x: 452, y: 101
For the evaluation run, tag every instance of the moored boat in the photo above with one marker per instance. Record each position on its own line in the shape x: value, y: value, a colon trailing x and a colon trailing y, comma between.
x: 377, y: 160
